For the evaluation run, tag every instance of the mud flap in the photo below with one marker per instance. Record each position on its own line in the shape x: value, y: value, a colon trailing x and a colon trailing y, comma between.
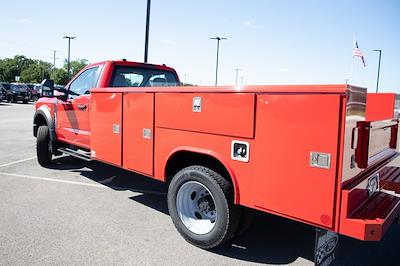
x: 326, y: 244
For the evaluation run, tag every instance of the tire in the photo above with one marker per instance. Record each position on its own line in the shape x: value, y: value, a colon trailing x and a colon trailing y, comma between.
x: 43, y: 151
x: 200, y: 202
x: 10, y: 99
x: 34, y: 98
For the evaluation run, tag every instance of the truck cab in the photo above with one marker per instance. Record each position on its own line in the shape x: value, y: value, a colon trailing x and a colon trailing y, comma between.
x: 68, y: 113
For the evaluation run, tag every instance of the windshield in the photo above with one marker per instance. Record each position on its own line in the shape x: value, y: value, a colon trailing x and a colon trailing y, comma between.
x: 19, y: 87
x: 6, y: 86
x: 130, y: 76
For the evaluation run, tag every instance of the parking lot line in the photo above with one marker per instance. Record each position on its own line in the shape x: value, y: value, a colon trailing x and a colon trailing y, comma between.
x: 19, y: 161
x: 54, y: 180
x: 158, y: 193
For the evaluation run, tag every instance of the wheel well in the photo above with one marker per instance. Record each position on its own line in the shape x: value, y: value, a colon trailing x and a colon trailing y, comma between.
x: 39, y: 121
x: 182, y: 159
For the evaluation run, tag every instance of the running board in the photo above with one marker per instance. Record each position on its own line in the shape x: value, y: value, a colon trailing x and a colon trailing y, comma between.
x: 83, y: 155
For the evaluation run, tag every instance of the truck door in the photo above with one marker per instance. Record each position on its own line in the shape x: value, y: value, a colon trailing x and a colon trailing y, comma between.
x: 73, y: 113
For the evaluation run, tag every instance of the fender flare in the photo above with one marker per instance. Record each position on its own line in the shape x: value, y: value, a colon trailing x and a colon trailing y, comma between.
x: 212, y: 154
x: 45, y: 112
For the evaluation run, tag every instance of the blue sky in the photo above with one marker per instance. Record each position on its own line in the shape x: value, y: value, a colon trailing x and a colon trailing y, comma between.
x: 273, y: 42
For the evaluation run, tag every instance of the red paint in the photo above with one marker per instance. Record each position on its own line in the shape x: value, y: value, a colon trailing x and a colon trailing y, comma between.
x: 380, y: 106
x: 282, y: 125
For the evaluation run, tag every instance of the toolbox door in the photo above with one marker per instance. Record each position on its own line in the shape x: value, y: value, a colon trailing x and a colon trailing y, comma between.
x: 138, y: 137
x: 106, y: 127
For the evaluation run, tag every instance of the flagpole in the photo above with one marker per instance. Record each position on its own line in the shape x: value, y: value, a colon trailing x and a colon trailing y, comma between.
x: 352, y: 59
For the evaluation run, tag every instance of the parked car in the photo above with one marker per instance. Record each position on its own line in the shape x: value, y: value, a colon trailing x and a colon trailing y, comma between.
x: 34, y: 93
x: 2, y: 93
x: 18, y: 92
x: 5, y: 88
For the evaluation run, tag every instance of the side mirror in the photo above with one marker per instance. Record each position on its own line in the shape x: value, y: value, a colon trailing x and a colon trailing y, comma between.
x: 47, y: 88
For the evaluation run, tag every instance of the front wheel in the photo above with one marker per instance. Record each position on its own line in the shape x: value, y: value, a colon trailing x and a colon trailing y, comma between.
x: 34, y: 98
x: 43, y: 146
x: 200, y: 202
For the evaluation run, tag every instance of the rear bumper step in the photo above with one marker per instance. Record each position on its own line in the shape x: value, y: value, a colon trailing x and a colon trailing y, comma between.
x: 390, y: 178
x: 376, y: 207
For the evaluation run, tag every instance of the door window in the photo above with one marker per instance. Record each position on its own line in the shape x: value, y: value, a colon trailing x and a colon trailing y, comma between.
x: 86, y: 81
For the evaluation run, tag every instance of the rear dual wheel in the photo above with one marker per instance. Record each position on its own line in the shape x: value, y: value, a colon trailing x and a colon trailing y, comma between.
x: 200, y: 202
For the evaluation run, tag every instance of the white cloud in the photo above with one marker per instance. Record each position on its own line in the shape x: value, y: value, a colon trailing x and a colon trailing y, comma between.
x: 253, y: 25
x: 169, y: 42
x: 24, y: 21
x: 283, y: 69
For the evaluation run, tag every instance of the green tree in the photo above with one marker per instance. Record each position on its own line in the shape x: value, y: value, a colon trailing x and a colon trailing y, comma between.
x: 12, y: 67
x: 60, y: 76
x: 76, y: 65
x: 36, y: 72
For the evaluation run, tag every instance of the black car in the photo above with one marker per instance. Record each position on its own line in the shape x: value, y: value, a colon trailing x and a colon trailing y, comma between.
x: 2, y: 92
x: 17, y: 92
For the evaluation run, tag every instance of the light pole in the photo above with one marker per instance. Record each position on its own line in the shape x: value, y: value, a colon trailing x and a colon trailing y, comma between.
x: 216, y: 68
x: 379, y: 68
x: 146, y: 41
x: 69, y: 52
x: 237, y: 72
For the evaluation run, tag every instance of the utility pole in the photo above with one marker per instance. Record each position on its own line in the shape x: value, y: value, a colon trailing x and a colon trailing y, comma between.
x: 216, y: 68
x: 379, y: 68
x: 237, y: 72
x: 146, y: 42
x: 69, y: 53
x: 54, y: 58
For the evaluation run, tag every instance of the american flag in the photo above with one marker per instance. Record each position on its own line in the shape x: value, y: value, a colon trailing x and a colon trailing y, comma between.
x: 357, y: 52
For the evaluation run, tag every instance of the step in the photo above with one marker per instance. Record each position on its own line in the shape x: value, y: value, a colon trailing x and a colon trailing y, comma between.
x: 80, y: 154
x: 372, y: 217
x: 378, y: 206
x: 390, y: 178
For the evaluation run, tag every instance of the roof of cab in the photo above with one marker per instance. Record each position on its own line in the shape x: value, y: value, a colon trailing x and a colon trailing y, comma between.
x: 132, y: 63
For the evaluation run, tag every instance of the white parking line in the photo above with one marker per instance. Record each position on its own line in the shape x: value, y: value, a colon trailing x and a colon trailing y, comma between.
x: 19, y: 161
x: 84, y: 184
x: 54, y: 180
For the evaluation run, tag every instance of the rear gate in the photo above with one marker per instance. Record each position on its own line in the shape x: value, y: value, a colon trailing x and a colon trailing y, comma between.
x: 367, y: 207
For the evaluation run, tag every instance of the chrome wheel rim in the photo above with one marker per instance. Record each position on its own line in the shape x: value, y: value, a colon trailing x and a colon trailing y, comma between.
x: 196, y: 207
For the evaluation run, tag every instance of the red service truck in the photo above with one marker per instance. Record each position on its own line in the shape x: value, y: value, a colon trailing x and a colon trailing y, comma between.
x: 325, y: 155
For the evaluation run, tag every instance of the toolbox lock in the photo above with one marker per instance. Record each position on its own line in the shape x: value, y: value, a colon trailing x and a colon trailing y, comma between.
x: 320, y: 160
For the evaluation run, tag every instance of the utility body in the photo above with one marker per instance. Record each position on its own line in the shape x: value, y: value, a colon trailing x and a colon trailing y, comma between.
x: 325, y: 155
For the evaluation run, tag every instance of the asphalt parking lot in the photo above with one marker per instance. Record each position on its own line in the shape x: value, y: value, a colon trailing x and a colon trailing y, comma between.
x: 76, y: 212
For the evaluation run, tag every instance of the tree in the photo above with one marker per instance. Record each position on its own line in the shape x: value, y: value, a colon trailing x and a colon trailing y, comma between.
x: 76, y: 65
x: 60, y: 76
x: 36, y: 72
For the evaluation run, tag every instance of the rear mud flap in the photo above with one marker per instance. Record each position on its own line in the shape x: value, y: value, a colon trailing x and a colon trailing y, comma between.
x: 326, y: 246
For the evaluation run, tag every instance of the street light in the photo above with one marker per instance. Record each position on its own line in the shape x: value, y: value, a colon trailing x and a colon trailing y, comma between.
x: 216, y: 69
x: 379, y: 68
x: 69, y: 52
x: 146, y: 42
x: 237, y: 72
